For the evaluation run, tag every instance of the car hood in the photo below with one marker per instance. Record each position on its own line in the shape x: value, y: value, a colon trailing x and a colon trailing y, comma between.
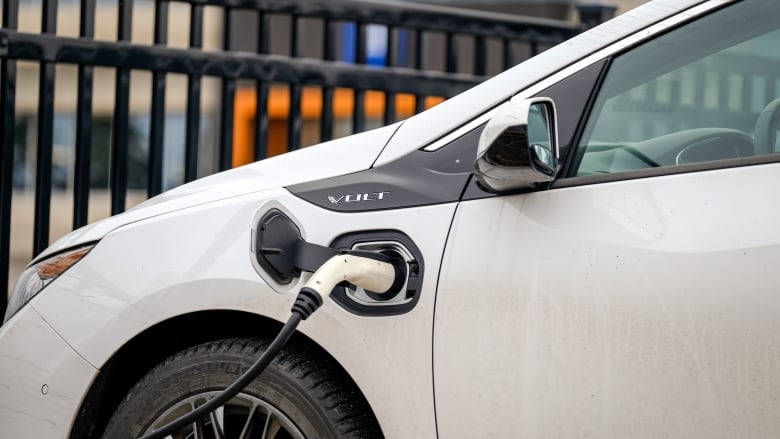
x: 338, y: 157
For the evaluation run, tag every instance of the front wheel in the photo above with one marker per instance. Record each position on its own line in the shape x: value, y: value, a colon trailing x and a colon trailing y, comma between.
x: 302, y: 394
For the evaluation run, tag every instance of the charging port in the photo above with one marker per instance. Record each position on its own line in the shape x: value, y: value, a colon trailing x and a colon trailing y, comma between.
x: 403, y: 296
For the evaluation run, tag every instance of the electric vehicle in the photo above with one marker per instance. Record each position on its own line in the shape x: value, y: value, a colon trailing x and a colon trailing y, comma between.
x: 588, y: 245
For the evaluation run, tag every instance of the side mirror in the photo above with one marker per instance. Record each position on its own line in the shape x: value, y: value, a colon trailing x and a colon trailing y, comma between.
x: 518, y: 148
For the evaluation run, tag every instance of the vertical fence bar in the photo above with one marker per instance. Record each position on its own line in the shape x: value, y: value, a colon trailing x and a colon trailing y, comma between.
x: 192, y: 133
x: 451, y: 52
x: 418, y: 49
x: 295, y: 49
x: 359, y: 115
x: 390, y: 61
x: 7, y: 134
x: 419, y: 103
x: 45, y: 137
x: 326, y: 124
x: 359, y: 96
x: 419, y: 99
x: 120, y: 128
x: 328, y: 54
x: 480, y: 55
x: 294, y: 115
x: 533, y: 42
x: 360, y: 43
x: 81, y: 179
x: 263, y: 32
x: 328, y: 40
x: 227, y: 107
x: 261, y: 120
x: 294, y: 120
x: 262, y: 89
x: 154, y: 171
x: 506, y: 50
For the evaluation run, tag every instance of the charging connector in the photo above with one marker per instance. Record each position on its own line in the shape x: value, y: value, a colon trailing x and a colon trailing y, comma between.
x: 375, y: 272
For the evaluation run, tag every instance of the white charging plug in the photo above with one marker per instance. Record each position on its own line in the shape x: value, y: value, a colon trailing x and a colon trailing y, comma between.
x: 367, y: 273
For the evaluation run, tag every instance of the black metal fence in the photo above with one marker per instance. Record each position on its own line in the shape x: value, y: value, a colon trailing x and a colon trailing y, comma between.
x: 469, y: 45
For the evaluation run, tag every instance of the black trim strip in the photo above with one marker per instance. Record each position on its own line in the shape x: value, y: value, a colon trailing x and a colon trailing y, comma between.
x: 574, y: 153
x: 667, y: 170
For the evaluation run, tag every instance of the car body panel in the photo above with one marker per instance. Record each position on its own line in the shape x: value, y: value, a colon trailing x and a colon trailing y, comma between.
x: 641, y: 308
x: 42, y: 383
x: 119, y: 300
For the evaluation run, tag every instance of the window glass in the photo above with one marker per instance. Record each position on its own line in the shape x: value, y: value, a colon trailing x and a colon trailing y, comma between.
x: 702, y: 92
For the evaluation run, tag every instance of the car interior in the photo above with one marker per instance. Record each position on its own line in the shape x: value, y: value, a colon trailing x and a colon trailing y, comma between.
x: 693, y: 95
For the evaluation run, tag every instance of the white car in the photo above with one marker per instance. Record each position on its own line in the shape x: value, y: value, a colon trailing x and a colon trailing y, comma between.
x: 590, y: 245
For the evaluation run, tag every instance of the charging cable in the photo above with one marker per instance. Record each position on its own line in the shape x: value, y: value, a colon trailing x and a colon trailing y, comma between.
x: 371, y: 271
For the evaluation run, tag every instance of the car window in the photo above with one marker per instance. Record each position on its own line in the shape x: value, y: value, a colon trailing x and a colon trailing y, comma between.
x: 705, y: 91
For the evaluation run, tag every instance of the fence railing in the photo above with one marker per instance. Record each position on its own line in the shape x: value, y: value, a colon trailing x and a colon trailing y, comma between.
x: 426, y: 51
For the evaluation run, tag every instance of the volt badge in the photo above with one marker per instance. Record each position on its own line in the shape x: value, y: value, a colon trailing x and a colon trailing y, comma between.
x: 357, y: 198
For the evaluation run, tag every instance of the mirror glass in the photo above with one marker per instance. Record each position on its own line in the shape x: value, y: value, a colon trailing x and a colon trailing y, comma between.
x: 540, y: 134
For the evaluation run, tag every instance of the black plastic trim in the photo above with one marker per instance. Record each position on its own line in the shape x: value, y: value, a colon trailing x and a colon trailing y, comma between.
x: 573, y: 96
x: 713, y: 165
x: 414, y: 272
x: 475, y: 191
x: 574, y: 154
x: 443, y: 176
x: 417, y: 179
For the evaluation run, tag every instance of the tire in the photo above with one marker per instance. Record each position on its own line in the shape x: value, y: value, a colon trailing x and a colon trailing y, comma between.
x: 302, y: 394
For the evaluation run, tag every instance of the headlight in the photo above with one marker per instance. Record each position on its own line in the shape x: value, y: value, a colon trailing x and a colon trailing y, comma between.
x: 36, y: 277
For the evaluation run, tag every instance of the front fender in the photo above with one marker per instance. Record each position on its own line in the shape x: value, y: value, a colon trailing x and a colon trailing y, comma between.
x: 198, y: 259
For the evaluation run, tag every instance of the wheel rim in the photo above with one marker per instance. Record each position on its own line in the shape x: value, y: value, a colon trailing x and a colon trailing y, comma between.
x: 243, y: 417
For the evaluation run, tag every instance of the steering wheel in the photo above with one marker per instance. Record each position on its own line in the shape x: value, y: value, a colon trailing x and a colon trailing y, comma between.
x: 766, y: 128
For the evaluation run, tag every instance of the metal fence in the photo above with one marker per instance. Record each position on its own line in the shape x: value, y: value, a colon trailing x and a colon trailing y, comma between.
x: 464, y: 40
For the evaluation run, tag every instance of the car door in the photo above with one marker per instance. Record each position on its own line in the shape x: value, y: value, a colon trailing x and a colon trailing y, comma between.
x: 639, y: 295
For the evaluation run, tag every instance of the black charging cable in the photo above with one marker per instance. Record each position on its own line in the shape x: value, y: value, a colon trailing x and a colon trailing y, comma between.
x: 306, y: 303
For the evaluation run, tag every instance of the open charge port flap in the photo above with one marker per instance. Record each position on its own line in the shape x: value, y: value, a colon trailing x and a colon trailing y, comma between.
x: 275, y: 241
